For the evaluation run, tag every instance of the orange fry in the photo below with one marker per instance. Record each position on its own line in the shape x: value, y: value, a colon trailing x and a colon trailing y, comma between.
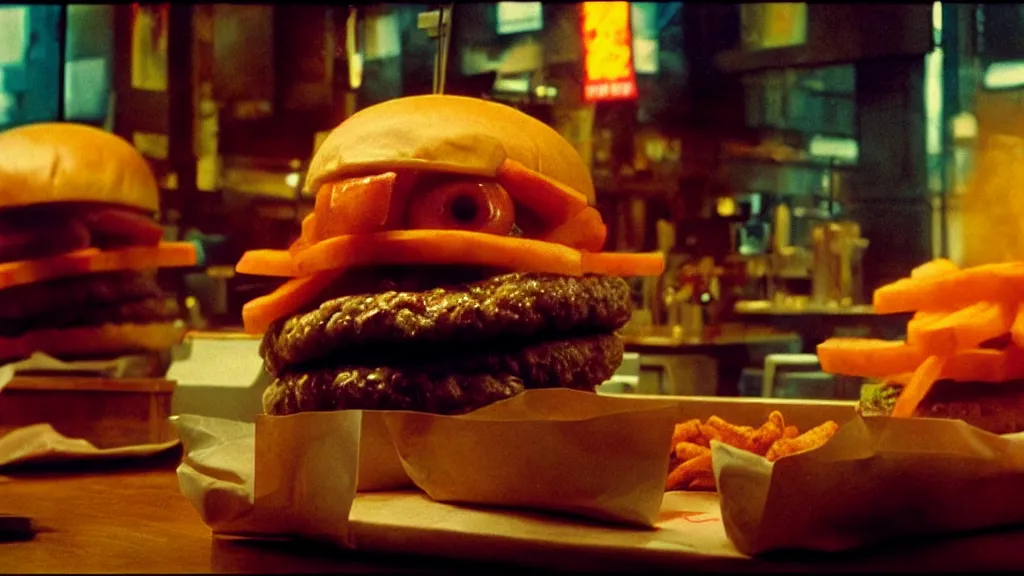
x: 707, y: 434
x: 763, y: 438
x: 790, y: 432
x: 809, y: 440
x: 688, y: 450
x: 731, y: 434
x: 684, y: 473
x: 688, y: 431
x: 705, y: 481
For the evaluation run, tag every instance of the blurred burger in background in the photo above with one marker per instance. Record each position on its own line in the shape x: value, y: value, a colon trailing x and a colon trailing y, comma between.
x: 80, y: 247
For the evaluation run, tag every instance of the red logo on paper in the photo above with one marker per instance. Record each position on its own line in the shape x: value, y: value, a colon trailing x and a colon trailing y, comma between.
x: 691, y: 517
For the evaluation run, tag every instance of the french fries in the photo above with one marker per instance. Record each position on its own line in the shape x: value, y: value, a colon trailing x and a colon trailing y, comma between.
x: 691, y: 440
x: 809, y: 440
x: 687, y: 472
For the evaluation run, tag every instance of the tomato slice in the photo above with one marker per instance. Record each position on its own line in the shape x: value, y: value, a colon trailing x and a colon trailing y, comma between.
x: 553, y: 201
x: 119, y: 223
x: 353, y: 206
x: 92, y: 260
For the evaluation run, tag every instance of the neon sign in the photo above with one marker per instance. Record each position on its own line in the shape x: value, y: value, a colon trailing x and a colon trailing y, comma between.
x: 608, y: 52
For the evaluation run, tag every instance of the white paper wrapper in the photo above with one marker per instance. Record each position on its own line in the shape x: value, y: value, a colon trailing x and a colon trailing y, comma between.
x: 43, y: 363
x: 876, y: 480
x: 550, y: 450
x: 40, y: 443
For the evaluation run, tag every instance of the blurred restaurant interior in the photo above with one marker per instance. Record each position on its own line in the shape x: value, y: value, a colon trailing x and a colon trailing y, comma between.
x: 788, y: 158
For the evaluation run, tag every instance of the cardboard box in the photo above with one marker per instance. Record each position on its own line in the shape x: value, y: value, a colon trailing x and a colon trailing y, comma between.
x: 108, y: 412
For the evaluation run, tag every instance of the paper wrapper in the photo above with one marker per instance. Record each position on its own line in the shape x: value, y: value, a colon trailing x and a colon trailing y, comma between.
x: 40, y: 443
x: 877, y: 479
x: 558, y: 451
x: 39, y: 363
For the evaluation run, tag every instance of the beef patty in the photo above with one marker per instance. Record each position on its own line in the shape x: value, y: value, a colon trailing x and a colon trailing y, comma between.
x: 453, y: 385
x: 90, y: 300
x: 512, y: 306
x: 449, y: 348
x: 995, y: 407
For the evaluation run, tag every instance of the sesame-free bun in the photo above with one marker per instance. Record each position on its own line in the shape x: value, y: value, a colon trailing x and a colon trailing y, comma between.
x: 64, y: 162
x: 451, y: 134
x: 108, y: 340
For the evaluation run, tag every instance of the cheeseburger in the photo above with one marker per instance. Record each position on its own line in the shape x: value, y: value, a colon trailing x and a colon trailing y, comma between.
x: 452, y: 260
x: 79, y: 247
x: 963, y: 355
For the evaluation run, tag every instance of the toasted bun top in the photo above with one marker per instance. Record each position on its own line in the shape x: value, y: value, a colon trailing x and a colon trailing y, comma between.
x: 446, y: 134
x: 64, y: 162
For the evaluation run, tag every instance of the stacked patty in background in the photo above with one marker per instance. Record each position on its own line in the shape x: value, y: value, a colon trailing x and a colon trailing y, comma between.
x: 112, y: 297
x: 444, y: 340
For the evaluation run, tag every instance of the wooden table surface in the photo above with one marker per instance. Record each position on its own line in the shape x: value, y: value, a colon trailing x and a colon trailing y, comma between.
x: 118, y: 518
x: 133, y: 519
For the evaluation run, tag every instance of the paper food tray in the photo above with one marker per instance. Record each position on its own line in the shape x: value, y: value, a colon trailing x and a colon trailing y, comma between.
x: 299, y: 475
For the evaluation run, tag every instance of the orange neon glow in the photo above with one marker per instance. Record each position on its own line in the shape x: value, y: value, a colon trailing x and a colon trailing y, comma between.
x: 608, y: 48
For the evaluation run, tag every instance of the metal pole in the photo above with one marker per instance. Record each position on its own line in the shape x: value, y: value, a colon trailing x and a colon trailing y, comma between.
x: 438, y: 25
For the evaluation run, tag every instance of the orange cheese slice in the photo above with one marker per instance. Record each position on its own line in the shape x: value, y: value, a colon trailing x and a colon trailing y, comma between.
x: 289, y: 298
x: 267, y: 263
x: 439, y: 247
x: 952, y: 290
x: 93, y: 260
x: 869, y: 357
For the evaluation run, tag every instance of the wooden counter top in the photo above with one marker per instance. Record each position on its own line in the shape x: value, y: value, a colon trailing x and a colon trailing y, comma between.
x: 134, y: 520
x: 725, y: 335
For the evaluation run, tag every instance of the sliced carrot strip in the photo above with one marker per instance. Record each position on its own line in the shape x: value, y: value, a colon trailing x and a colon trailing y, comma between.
x: 552, y: 200
x: 961, y: 330
x: 439, y: 247
x: 1017, y: 328
x: 934, y: 268
x: 1013, y: 365
x: 92, y: 260
x: 868, y: 357
x: 922, y: 319
x: 992, y: 282
x: 267, y: 263
x: 926, y: 375
x: 980, y: 365
x: 585, y: 231
x: 258, y: 314
x: 903, y: 378
x: 623, y: 264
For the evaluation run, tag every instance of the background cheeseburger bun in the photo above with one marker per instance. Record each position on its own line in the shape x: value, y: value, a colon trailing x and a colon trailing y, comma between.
x: 452, y: 260
x: 79, y: 247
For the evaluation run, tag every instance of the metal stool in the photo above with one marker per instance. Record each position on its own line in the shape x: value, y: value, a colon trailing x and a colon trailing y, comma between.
x: 774, y: 362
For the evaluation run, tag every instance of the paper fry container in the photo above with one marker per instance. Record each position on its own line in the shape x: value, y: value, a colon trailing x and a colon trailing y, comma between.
x: 554, y: 450
x: 380, y: 468
x: 877, y: 479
